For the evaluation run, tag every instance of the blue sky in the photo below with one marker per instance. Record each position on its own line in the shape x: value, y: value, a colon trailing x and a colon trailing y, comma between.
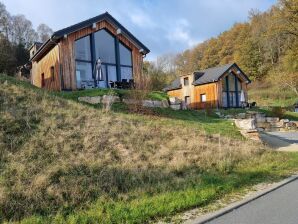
x: 164, y: 26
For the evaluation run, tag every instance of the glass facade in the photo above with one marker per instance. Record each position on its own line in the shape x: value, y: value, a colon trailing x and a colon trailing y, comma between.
x: 231, y: 86
x: 104, y: 47
x: 84, y: 75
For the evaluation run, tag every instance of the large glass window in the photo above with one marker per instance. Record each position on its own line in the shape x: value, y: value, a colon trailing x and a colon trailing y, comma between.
x: 125, y: 55
x: 126, y: 73
x: 125, y: 62
x: 105, y: 47
x: 83, y: 63
x: 84, y: 75
x: 83, y: 50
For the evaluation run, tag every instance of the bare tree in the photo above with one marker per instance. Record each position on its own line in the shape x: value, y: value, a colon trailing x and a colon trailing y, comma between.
x: 44, y: 32
x: 5, y: 21
x: 22, y: 31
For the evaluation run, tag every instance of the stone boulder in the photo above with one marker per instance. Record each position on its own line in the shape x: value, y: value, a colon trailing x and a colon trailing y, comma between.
x: 272, y: 119
x: 165, y: 103
x: 241, y: 116
x: 90, y: 99
x: 148, y: 103
x: 175, y: 106
x: 131, y: 101
x: 174, y: 100
x: 246, y: 124
x: 110, y: 99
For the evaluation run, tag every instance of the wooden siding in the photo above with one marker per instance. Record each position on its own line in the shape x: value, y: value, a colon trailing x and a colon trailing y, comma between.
x: 175, y: 93
x: 67, y: 52
x: 211, y: 92
x: 43, y: 66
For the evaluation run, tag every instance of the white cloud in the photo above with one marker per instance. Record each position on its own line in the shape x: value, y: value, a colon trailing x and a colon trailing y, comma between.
x: 179, y: 32
x: 142, y: 20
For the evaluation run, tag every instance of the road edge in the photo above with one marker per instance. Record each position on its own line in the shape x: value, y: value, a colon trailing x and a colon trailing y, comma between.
x: 231, y: 207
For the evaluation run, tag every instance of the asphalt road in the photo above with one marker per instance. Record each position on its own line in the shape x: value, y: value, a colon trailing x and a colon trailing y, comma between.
x: 282, y: 141
x: 277, y: 207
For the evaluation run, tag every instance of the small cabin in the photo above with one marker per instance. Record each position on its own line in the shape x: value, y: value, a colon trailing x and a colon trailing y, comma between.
x: 67, y: 60
x: 218, y: 87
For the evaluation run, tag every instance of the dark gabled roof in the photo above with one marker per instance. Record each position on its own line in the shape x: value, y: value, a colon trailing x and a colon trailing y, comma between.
x: 213, y: 74
x: 105, y: 16
x: 176, y: 84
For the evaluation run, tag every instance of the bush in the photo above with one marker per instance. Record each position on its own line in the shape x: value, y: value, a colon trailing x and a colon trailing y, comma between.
x: 278, y: 112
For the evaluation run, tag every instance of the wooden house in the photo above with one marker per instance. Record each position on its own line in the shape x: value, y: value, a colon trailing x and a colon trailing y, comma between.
x: 213, y: 87
x: 66, y: 61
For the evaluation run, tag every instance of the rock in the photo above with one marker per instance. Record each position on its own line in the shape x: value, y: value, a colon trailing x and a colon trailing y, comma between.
x: 131, y: 101
x: 276, y: 124
x: 260, y: 119
x: 165, y: 103
x: 89, y: 99
x: 246, y: 124
x: 229, y: 116
x: 174, y: 100
x: 252, y: 134
x: 241, y: 116
x: 272, y: 119
x: 264, y: 125
x: 157, y: 104
x: 260, y: 115
x: 295, y: 122
x: 291, y: 125
x: 110, y: 99
x: 148, y: 103
x: 284, y: 121
x: 175, y: 106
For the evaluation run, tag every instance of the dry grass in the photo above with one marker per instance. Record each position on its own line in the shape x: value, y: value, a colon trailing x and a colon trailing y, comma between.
x: 58, y: 155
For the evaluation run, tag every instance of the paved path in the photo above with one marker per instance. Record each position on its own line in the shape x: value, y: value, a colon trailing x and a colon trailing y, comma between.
x: 281, y: 141
x: 277, y: 207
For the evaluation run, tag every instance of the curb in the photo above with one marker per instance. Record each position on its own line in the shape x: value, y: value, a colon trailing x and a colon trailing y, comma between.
x: 233, y: 206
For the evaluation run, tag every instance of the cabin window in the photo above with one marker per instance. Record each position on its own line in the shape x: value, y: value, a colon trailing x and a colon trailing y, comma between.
x: 84, y: 75
x: 203, y: 97
x: 125, y: 62
x: 186, y: 81
x: 83, y: 63
x: 105, y: 47
x: 52, y: 70
x: 231, y: 87
x: 83, y: 50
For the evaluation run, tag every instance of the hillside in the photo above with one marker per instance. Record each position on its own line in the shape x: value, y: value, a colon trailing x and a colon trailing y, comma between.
x: 265, y: 47
x: 64, y: 162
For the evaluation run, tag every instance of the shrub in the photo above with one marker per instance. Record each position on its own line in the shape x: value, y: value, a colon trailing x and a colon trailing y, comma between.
x: 278, y: 112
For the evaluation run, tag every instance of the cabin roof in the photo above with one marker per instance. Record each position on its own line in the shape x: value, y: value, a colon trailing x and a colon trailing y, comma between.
x: 211, y: 74
x: 176, y: 84
x: 205, y: 76
x: 105, y: 16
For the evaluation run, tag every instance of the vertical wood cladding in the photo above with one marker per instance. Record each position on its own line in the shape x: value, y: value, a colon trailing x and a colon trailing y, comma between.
x: 175, y: 93
x: 67, y: 52
x: 43, y: 66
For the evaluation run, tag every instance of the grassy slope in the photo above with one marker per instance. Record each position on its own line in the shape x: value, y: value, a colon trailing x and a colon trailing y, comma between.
x: 66, y: 162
